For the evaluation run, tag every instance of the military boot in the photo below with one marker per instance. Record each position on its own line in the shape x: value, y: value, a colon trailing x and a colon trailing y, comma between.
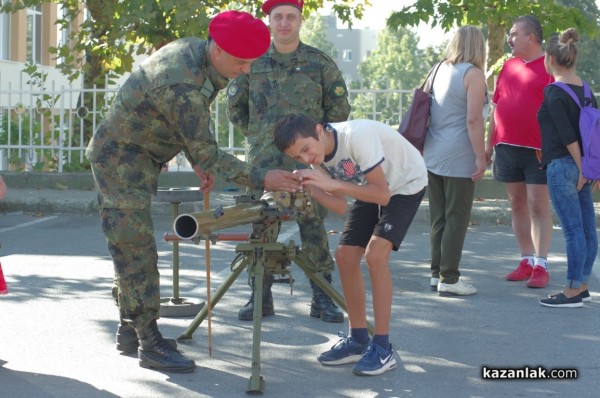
x: 155, y: 353
x: 322, y: 306
x: 127, y: 340
x: 247, y: 313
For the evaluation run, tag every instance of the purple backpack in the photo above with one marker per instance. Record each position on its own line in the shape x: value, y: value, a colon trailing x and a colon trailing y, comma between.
x: 589, y: 127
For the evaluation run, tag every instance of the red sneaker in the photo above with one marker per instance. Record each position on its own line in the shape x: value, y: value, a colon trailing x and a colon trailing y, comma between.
x: 539, y: 277
x: 522, y: 272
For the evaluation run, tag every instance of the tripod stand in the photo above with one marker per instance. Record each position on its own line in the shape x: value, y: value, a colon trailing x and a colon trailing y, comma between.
x: 260, y: 255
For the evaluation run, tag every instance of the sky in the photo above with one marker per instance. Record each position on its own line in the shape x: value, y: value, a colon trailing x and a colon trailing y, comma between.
x: 375, y: 17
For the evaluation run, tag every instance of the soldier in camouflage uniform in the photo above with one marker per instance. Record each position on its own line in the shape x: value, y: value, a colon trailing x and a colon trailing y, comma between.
x: 162, y: 109
x: 290, y: 77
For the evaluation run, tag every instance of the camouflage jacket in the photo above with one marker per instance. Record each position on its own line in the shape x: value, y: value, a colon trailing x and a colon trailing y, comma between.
x: 164, y: 108
x: 307, y: 81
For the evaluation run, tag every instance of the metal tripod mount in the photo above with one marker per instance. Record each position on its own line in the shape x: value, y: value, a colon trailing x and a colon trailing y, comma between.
x: 260, y: 254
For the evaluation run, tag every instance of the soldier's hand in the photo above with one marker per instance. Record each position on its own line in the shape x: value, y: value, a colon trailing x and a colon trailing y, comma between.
x: 281, y: 180
x: 208, y: 183
x: 207, y: 180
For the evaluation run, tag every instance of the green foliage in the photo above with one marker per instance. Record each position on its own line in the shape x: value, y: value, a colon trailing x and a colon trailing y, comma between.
x: 75, y: 165
x: 497, y: 16
x: 589, y: 45
x: 397, y: 63
x: 314, y: 33
x: 104, y: 45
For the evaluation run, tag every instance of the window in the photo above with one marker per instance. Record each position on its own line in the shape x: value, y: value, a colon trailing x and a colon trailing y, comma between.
x: 5, y: 34
x: 347, y: 56
x: 34, y: 34
x: 63, y: 33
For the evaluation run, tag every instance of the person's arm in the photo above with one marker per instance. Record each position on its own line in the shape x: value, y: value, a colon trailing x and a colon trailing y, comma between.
x: 474, y: 82
x: 3, y: 188
x: 191, y: 113
x: 489, y: 146
x: 374, y: 191
x: 558, y: 102
x: 334, y: 202
x: 575, y: 152
x: 207, y: 180
x: 335, y: 94
x: 238, y: 99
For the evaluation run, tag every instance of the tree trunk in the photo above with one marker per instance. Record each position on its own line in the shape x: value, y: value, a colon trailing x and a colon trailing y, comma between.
x: 495, y: 50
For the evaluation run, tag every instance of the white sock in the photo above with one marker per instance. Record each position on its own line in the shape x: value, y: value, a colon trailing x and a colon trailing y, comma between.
x: 541, y: 261
x: 529, y: 259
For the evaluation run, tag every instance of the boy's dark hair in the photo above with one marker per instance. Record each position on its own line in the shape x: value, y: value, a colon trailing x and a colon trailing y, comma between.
x: 292, y: 126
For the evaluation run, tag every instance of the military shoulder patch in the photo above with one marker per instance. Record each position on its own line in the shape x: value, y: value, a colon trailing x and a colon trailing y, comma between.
x: 233, y: 89
x: 339, y: 90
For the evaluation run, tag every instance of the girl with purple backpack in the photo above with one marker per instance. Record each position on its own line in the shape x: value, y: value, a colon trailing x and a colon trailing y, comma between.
x: 570, y: 191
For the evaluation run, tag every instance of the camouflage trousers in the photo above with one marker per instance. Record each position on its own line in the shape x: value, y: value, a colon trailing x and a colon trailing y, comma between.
x: 130, y: 237
x: 314, y: 241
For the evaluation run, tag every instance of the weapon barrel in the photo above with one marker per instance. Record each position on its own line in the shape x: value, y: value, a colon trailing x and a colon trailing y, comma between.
x: 193, y: 225
x: 224, y: 237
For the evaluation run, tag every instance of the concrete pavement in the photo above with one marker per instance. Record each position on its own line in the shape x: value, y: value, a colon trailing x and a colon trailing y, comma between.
x: 58, y: 321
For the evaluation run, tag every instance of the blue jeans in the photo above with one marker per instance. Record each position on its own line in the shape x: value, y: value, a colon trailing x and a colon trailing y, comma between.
x: 575, y: 210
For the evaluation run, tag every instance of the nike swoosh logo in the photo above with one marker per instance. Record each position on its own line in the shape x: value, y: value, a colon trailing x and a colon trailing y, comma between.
x: 384, y: 360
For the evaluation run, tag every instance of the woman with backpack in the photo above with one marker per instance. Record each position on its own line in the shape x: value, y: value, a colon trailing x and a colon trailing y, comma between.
x: 570, y: 191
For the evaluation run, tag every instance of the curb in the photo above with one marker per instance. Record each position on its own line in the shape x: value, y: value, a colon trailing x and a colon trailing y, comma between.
x: 45, y: 201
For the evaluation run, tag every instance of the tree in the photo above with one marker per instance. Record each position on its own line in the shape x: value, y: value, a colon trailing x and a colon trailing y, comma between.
x: 494, y: 15
x: 314, y: 33
x: 396, y: 63
x: 103, y: 46
x: 589, y: 46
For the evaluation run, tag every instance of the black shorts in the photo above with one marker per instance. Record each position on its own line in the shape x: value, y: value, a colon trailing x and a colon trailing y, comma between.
x: 390, y: 222
x: 518, y: 164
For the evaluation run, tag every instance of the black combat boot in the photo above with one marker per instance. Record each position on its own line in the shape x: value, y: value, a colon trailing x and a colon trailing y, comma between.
x: 127, y: 340
x: 155, y: 353
x: 322, y: 306
x: 247, y: 313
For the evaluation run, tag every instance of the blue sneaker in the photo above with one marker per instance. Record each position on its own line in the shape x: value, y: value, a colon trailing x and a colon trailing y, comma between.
x: 375, y: 361
x: 346, y: 350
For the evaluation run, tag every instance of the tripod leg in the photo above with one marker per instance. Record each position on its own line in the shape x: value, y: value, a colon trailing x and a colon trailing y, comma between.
x: 256, y: 384
x: 187, y: 334
x: 307, y: 265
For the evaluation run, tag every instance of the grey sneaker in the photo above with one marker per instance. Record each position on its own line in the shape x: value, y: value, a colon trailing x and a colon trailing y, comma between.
x: 460, y: 288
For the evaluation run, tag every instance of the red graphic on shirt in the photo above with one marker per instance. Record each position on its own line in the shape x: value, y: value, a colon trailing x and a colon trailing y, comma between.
x: 348, y: 167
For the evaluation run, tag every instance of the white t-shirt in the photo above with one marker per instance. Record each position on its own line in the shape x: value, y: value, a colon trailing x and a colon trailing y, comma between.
x: 361, y: 145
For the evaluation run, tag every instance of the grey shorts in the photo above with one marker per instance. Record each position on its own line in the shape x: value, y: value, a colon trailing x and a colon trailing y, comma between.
x: 390, y: 222
x: 518, y: 164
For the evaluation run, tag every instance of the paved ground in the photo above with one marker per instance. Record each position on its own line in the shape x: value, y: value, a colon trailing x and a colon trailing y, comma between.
x: 58, y: 322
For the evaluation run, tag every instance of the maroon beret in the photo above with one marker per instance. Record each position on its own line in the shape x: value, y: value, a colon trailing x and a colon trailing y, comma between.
x: 240, y: 34
x: 270, y: 4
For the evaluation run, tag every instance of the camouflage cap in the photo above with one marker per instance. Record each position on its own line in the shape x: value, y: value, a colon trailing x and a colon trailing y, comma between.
x: 270, y: 4
x: 240, y: 34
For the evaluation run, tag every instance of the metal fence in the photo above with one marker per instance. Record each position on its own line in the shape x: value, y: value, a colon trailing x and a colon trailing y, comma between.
x: 47, y: 128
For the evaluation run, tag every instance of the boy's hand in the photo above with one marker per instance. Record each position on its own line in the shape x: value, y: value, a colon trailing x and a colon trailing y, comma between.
x: 281, y: 180
x: 315, y: 178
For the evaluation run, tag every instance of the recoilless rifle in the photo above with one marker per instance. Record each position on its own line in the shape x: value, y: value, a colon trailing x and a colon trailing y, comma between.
x: 260, y: 253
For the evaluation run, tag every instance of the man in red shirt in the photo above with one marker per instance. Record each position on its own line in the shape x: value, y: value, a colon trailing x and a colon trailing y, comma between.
x: 515, y: 137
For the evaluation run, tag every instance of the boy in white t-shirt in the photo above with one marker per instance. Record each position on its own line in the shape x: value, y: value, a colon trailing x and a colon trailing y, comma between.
x: 386, y: 175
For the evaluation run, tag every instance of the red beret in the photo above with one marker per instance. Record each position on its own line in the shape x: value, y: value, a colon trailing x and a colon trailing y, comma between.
x: 240, y: 34
x: 270, y: 4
